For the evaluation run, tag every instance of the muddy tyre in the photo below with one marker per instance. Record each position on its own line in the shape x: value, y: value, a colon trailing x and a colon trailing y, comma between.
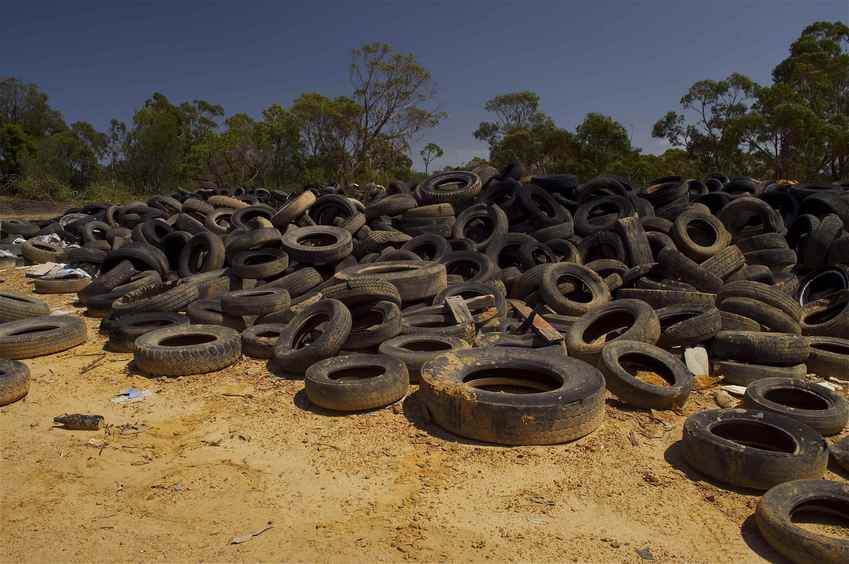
x: 752, y: 449
x: 812, y: 404
x: 17, y: 306
x: 39, y: 336
x: 318, y: 332
x: 14, y: 381
x: 356, y: 382
x: 774, y: 518
x: 473, y: 394
x: 622, y: 362
x: 187, y: 349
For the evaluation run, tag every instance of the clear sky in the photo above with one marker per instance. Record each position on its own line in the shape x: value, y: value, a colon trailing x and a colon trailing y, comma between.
x: 632, y: 60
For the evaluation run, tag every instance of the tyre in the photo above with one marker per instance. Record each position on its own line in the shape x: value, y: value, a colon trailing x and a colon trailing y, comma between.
x: 627, y: 365
x: 428, y: 247
x: 778, y: 349
x: 686, y: 325
x: 777, y: 508
x: 14, y: 381
x: 260, y: 265
x: 678, y: 266
x: 40, y: 336
x: 187, y: 349
x: 17, y: 306
x: 257, y: 301
x: 627, y: 320
x: 209, y: 312
x: 771, y: 318
x: 318, y: 332
x: 415, y: 350
x: 587, y: 291
x: 168, y: 296
x: 356, y: 382
x: 373, y: 324
x: 752, y: 449
x: 318, y: 245
x: 481, y: 224
x: 472, y: 266
x: 294, y: 209
x: 829, y: 357
x: 513, y: 396
x: 812, y: 404
x: 60, y: 285
x: 298, y: 282
x: 258, y: 340
x: 828, y: 317
x: 637, y: 247
x: 415, y: 281
x: 663, y: 298
x: 125, y: 330
x: 39, y: 252
x: 204, y: 252
x: 743, y: 374
x: 724, y: 263
x: 449, y: 187
x: 699, y: 236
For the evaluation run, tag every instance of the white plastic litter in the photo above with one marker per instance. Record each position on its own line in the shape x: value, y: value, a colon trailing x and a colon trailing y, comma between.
x: 50, y: 238
x: 734, y: 390
x: 697, y: 361
x: 828, y: 385
x: 66, y: 272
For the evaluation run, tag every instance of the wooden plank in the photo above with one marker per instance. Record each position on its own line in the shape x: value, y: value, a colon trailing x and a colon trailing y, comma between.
x: 542, y: 327
x: 462, y: 314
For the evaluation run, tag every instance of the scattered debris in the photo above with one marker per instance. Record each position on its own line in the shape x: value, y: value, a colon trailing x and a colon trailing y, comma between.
x: 723, y: 399
x: 132, y: 395
x: 79, y: 422
x: 735, y: 390
x: 697, y: 361
x: 645, y: 553
x: 249, y: 536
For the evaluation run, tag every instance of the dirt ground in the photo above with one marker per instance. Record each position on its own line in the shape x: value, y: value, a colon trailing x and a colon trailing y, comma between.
x: 205, y: 459
x: 16, y: 208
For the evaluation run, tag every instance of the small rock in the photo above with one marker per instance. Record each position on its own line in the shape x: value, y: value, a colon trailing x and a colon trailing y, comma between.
x: 723, y: 399
x: 396, y: 408
x: 645, y: 553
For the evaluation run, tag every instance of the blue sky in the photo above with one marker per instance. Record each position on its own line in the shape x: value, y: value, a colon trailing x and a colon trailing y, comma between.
x: 632, y: 60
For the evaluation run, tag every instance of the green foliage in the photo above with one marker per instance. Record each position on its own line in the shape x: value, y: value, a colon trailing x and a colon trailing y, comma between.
x: 430, y: 152
x: 15, y: 145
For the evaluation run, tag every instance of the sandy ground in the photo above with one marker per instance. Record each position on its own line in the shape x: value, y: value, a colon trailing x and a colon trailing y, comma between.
x: 209, y: 458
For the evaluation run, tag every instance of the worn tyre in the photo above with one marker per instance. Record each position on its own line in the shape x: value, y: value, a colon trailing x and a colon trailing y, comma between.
x: 304, y: 343
x: 40, y: 336
x: 626, y: 364
x: 187, y: 349
x: 14, y: 381
x: 15, y: 306
x: 356, y: 382
x: 812, y: 404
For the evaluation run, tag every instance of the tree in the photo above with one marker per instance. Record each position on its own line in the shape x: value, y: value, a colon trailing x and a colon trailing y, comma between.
x: 26, y: 105
x: 430, y: 152
x: 393, y: 92
x: 715, y: 106
x: 15, y: 145
x: 515, y: 110
x: 602, y: 141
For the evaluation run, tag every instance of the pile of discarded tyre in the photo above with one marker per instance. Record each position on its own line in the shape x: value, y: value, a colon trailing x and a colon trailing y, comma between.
x: 571, y: 290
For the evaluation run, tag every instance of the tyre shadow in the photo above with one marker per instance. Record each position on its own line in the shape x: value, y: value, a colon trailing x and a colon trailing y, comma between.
x: 303, y: 402
x: 753, y: 539
x: 280, y: 372
x: 674, y: 456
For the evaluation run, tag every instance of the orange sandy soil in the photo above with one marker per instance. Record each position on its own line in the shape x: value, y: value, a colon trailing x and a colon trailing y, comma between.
x: 212, y: 457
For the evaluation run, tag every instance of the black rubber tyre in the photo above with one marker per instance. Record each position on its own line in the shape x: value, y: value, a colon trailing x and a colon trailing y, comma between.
x: 725, y: 262
x: 143, y: 257
x: 637, y: 248
x: 101, y: 304
x: 210, y: 312
x: 298, y: 282
x: 771, y: 318
x: 469, y: 290
x: 14, y: 381
x: 663, y: 298
x: 60, y: 285
x: 40, y: 336
x: 256, y: 301
x: 774, y: 518
x: 428, y: 247
x: 812, y: 404
x: 262, y: 238
x: 415, y: 350
x: 295, y: 208
x: 473, y: 266
x: 763, y: 242
x: 814, y: 249
x: 828, y: 317
x: 763, y: 293
x: 39, y: 252
x: 318, y: 332
x: 589, y: 292
x: 473, y: 394
x: 685, y: 325
x: 678, y: 266
x: 204, y: 252
x: 373, y: 324
x: 601, y: 214
x: 734, y: 322
x: 415, y: 281
x: 259, y: 265
x: 318, y: 245
x: 743, y: 374
x: 752, y: 449
x: 356, y: 382
x: 258, y: 341
x: 543, y: 209
x: 627, y: 320
x: 776, y: 259
x: 603, y: 245
x: 449, y: 187
x: 699, y: 235
x: 358, y: 292
x: 622, y: 362
x: 738, y: 216
x: 829, y: 357
x: 187, y: 349
x: 168, y: 296
x: 125, y: 330
x: 391, y: 205
x: 15, y: 306
x: 778, y: 349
